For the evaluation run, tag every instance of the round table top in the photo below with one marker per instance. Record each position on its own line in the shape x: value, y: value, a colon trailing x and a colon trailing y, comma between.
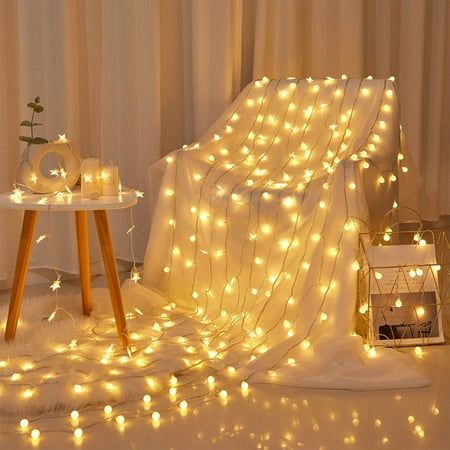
x: 65, y: 201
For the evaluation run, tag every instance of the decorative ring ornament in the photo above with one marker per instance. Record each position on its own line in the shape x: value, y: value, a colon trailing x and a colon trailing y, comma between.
x: 63, y: 176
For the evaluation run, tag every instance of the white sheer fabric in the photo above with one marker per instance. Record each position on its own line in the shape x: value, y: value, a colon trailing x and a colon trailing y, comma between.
x: 255, y: 231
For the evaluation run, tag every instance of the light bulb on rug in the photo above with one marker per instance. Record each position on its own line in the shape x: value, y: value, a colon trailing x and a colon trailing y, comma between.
x: 223, y: 394
x: 35, y: 433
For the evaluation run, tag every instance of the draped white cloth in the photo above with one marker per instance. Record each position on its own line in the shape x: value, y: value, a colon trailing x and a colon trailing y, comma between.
x: 130, y: 80
x: 255, y: 231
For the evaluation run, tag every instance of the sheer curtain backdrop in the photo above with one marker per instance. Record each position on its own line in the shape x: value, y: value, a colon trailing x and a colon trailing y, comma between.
x: 130, y: 80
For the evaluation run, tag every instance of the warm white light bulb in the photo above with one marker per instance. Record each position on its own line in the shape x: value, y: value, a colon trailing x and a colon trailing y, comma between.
x: 120, y: 419
x: 173, y: 391
x: 305, y: 344
x: 35, y: 434
x: 223, y: 394
x: 420, y: 311
x: 363, y: 308
x: 183, y: 405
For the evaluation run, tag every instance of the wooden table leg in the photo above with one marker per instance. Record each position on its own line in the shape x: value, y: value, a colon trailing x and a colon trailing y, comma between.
x: 81, y: 221
x: 109, y: 260
x: 20, y: 274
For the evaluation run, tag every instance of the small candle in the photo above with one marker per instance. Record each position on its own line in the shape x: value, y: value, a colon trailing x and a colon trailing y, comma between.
x: 109, y: 176
x: 90, y: 178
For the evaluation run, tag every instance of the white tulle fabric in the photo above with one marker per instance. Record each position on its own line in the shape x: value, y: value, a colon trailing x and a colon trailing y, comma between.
x: 255, y: 227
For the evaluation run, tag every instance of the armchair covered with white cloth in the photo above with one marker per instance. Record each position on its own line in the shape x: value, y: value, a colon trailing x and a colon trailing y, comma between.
x: 255, y: 228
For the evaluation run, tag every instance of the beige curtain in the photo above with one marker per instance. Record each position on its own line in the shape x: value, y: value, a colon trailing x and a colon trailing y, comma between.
x: 129, y: 80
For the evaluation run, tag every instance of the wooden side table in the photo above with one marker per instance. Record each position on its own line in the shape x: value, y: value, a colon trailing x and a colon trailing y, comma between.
x: 31, y: 204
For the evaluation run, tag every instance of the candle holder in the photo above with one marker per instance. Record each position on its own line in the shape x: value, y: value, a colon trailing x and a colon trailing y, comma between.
x: 90, y: 178
x: 109, y: 177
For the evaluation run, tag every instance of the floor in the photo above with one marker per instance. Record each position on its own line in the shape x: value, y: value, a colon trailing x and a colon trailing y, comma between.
x: 268, y: 417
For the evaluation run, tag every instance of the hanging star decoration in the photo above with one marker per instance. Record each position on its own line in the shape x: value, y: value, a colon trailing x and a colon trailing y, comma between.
x: 56, y: 284
x: 135, y: 275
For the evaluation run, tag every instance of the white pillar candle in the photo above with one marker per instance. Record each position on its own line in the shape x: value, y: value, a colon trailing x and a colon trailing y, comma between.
x: 90, y: 178
x: 109, y: 176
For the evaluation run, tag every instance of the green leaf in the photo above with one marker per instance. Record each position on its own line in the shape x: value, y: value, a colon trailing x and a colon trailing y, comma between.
x: 38, y: 108
x: 31, y: 105
x: 26, y: 139
x: 26, y: 123
x: 39, y: 140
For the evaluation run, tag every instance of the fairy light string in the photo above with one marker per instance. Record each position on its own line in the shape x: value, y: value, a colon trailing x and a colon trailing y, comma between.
x: 275, y: 227
x: 211, y: 217
x: 214, y: 184
x: 276, y: 221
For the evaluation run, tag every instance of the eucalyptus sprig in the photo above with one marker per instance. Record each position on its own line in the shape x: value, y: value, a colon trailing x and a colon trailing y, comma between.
x: 37, y: 109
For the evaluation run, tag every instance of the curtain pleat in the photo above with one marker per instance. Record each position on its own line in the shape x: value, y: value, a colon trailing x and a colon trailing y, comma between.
x: 130, y: 80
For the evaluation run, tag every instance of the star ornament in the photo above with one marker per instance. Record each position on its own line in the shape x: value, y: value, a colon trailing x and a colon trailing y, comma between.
x: 16, y: 195
x: 135, y: 275
x: 56, y: 284
x: 63, y: 172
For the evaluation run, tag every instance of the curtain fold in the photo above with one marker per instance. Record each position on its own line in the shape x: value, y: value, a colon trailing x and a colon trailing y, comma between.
x: 130, y: 80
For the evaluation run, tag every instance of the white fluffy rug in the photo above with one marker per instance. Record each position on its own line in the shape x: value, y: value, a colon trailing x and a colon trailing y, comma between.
x: 74, y: 361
